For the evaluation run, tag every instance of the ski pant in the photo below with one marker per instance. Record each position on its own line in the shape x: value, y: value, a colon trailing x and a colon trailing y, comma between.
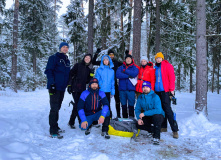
x: 74, y: 114
x: 152, y: 124
x: 166, y: 105
x: 117, y: 99
x: 95, y: 117
x: 127, y: 96
x: 108, y: 98
x: 55, y: 104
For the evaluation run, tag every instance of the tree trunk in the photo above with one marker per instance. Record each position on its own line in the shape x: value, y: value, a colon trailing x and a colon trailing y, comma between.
x: 137, y: 30
x: 191, y: 74
x: 108, y: 22
x: 218, y: 58
x: 178, y: 77
x: 122, y: 45
x: 90, y: 26
x: 148, y: 31
x: 201, y: 59
x: 34, y: 62
x: 104, y: 27
x: 129, y: 24
x: 214, y: 66
x: 14, y: 51
x: 157, y: 38
x: 55, y: 1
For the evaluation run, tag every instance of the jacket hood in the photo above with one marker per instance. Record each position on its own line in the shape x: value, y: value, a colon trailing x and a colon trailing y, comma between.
x: 85, y: 56
x: 110, y: 62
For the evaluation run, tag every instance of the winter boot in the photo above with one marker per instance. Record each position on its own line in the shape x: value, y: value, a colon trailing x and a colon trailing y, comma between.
x: 106, y: 135
x: 175, y: 135
x: 118, y: 110
x: 148, y: 135
x: 131, y: 111
x: 156, y: 141
x: 95, y: 124
x: 58, y: 136
x: 88, y: 131
x: 163, y: 130
x: 124, y: 111
x: 60, y: 130
x: 72, y: 126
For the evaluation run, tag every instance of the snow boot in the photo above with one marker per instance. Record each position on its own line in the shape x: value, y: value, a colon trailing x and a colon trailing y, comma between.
x: 148, y: 135
x: 156, y: 141
x: 72, y: 126
x: 163, y: 130
x: 88, y: 131
x: 175, y: 135
x: 95, y: 124
x: 58, y: 136
x: 60, y: 130
x: 106, y: 135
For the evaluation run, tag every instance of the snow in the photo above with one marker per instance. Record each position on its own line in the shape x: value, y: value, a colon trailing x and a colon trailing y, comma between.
x: 24, y: 132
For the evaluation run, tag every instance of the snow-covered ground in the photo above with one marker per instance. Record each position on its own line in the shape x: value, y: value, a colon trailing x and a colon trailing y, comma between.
x: 24, y: 133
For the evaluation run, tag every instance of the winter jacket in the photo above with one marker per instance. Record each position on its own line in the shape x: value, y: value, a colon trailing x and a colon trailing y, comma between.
x: 90, y: 102
x: 79, y: 76
x: 150, y: 103
x: 125, y: 72
x: 105, y: 76
x: 165, y: 77
x: 57, y: 71
x: 146, y: 73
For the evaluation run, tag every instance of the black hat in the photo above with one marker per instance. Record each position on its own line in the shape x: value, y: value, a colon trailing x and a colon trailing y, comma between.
x: 110, y: 51
x: 128, y: 55
x: 93, y: 80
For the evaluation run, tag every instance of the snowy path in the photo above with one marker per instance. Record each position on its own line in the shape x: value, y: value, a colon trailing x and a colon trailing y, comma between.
x: 24, y: 133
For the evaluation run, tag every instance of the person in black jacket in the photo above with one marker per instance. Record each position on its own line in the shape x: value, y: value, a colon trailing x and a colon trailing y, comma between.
x: 79, y: 76
x: 116, y: 65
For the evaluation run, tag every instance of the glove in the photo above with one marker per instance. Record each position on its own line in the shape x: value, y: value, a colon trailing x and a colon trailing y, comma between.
x: 69, y: 89
x: 92, y: 72
x: 98, y: 51
x: 111, y: 96
x: 52, y: 89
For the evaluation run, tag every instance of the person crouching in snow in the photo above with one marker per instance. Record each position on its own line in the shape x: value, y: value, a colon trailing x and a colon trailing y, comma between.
x: 153, y: 113
x: 90, y: 109
x: 146, y: 73
x: 105, y: 76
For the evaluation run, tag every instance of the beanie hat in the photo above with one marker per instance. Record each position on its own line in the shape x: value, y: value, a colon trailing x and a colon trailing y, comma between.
x: 93, y: 80
x: 63, y: 44
x: 147, y: 84
x: 106, y: 57
x: 128, y: 55
x: 144, y: 58
x: 110, y: 51
x: 159, y: 55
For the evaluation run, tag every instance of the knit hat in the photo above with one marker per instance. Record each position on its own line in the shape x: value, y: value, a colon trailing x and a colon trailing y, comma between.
x: 105, y: 57
x: 128, y: 55
x: 144, y: 58
x: 110, y: 51
x: 93, y: 80
x: 147, y: 84
x: 159, y: 55
x: 63, y: 44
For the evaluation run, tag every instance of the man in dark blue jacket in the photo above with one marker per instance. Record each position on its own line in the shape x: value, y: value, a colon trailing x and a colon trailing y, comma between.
x: 127, y: 89
x: 93, y: 106
x: 152, y: 117
x: 57, y: 71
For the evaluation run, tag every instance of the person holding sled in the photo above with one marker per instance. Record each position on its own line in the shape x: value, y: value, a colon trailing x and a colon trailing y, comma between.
x: 93, y: 106
x: 57, y: 71
x: 79, y: 76
x: 164, y: 86
x: 105, y: 76
x: 127, y: 89
x: 152, y: 117
x: 146, y: 73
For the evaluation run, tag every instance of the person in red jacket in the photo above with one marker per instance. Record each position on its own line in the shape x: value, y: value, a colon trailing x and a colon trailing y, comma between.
x: 164, y: 86
x: 146, y: 73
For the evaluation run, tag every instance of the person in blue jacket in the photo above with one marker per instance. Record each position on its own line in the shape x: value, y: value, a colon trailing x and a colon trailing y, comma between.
x: 127, y: 89
x: 92, y: 107
x: 149, y: 102
x: 105, y: 76
x: 57, y: 71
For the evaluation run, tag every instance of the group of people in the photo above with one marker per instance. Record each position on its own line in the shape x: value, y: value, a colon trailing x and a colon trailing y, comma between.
x: 152, y: 88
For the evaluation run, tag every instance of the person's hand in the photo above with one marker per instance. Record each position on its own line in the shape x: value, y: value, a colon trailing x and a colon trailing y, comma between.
x: 140, y: 122
x: 69, y: 89
x: 172, y: 92
x: 111, y: 96
x: 92, y: 72
x: 141, y: 115
x: 84, y: 125
x: 130, y: 52
x: 101, y: 120
x: 98, y: 51
x: 52, y: 89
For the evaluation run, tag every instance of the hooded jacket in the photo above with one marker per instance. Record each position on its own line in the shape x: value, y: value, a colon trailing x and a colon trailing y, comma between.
x: 150, y: 103
x: 125, y: 72
x: 57, y: 71
x: 105, y: 76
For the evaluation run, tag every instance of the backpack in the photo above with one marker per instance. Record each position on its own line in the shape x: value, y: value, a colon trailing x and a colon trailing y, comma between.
x: 124, y: 127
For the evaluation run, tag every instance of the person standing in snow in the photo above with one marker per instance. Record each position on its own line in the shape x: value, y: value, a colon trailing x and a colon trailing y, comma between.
x: 149, y: 103
x: 127, y: 89
x: 146, y: 73
x: 79, y: 76
x: 164, y: 86
x: 92, y: 107
x: 116, y: 65
x: 57, y: 71
x: 105, y: 76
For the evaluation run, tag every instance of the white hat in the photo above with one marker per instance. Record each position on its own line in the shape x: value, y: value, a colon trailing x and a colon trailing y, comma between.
x: 144, y: 58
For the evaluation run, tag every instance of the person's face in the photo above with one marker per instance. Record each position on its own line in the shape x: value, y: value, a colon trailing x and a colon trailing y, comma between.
x: 87, y: 59
x: 143, y: 62
x: 64, y: 49
x: 106, y: 62
x: 146, y: 89
x: 111, y: 55
x: 94, y: 86
x: 128, y: 60
x: 159, y: 60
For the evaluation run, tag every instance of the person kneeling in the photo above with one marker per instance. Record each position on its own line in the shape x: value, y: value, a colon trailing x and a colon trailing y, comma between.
x: 153, y: 114
x: 89, y: 108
